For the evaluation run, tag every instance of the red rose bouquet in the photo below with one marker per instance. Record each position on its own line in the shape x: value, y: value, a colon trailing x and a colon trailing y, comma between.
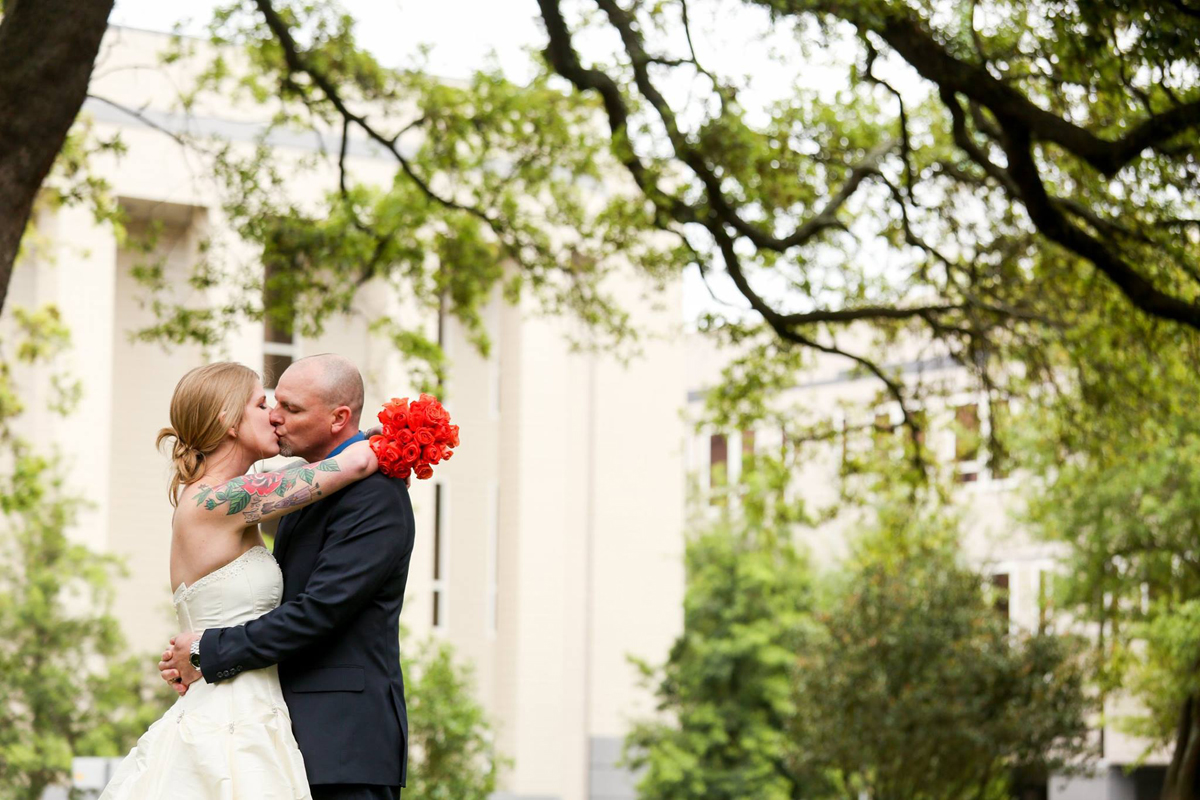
x: 415, y: 437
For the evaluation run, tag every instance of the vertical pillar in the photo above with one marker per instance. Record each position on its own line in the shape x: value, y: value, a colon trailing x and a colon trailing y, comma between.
x: 83, y: 277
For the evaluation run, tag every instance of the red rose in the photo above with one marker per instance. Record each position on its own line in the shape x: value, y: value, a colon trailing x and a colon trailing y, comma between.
x: 410, y: 453
x: 263, y: 483
x: 423, y: 436
x: 403, y: 473
x: 404, y: 436
x: 387, y: 453
x: 423, y: 471
x: 395, y: 412
x: 432, y: 454
x: 416, y: 418
x: 436, y: 413
x: 446, y: 453
x: 453, y: 440
x: 393, y: 454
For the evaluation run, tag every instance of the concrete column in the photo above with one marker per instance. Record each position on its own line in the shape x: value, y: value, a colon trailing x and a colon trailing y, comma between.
x: 82, y: 281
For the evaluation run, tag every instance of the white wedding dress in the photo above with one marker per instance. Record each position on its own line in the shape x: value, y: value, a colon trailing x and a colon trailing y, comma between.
x: 231, y: 741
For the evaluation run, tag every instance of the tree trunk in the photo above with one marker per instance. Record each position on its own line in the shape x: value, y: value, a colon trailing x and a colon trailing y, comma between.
x: 1183, y: 773
x: 47, y: 51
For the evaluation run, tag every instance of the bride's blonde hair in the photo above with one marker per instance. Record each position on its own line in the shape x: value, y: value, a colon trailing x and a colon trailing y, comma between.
x: 208, y: 401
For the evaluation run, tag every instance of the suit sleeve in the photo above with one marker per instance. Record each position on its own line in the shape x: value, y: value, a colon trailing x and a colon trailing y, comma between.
x: 365, y: 541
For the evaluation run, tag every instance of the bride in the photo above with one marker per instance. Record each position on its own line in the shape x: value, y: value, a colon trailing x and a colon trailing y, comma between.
x: 232, y: 739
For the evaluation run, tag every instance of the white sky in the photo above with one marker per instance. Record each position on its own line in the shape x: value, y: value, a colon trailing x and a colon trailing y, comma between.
x: 461, y: 31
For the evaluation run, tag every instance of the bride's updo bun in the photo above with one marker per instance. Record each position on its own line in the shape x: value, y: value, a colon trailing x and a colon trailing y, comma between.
x: 208, y: 401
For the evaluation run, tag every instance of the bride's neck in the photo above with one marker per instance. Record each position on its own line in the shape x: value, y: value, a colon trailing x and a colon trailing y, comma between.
x: 226, y: 462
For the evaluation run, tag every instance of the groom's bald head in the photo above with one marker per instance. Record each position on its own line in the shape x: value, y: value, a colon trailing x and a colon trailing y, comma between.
x: 335, y: 380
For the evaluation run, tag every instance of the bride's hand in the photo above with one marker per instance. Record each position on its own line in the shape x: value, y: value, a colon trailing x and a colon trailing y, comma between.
x: 378, y: 431
x: 176, y: 666
x: 361, y: 454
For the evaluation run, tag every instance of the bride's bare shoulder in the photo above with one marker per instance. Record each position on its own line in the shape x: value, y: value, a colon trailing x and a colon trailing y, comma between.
x: 193, y: 512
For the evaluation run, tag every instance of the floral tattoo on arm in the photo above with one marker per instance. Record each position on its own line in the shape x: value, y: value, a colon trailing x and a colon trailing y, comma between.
x: 253, y: 495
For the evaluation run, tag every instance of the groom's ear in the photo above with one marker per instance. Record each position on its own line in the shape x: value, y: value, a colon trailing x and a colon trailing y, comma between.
x: 341, y: 418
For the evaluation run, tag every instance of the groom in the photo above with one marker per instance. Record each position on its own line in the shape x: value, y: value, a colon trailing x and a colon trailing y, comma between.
x: 335, y: 636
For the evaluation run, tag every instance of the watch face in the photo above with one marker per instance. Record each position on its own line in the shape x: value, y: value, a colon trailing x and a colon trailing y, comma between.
x: 195, y: 659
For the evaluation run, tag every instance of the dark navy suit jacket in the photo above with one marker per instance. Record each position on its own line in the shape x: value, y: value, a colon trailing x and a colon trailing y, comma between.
x: 336, y: 634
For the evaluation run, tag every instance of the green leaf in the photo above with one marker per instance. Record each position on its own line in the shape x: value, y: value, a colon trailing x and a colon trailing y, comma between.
x: 238, y: 501
x: 307, y: 475
x: 328, y: 466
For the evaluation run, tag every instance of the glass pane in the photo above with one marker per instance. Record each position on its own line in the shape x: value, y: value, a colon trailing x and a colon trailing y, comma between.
x: 1000, y: 594
x: 966, y: 437
x: 279, y: 314
x: 273, y: 367
x: 1000, y: 421
x: 718, y: 452
x: 437, y: 531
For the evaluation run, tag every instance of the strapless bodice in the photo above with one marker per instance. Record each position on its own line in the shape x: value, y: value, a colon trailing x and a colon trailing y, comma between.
x: 242, y: 590
x: 231, y: 740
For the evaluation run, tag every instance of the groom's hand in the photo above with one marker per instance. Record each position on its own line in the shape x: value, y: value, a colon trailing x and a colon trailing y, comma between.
x: 176, y: 665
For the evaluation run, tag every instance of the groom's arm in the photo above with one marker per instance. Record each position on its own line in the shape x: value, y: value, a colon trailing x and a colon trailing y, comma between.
x: 370, y: 535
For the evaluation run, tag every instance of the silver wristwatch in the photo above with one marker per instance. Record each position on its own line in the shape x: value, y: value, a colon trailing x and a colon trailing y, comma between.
x: 195, y: 657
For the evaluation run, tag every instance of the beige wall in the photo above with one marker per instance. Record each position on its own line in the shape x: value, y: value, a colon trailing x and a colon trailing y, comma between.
x: 142, y: 378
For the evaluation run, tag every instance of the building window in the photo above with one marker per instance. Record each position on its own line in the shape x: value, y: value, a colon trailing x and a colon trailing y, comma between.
x: 888, y: 425
x: 747, y: 451
x: 496, y: 378
x: 496, y: 362
x: 881, y: 431
x: 443, y: 343
x: 921, y: 423
x: 1000, y: 594
x: 718, y: 463
x: 1045, y: 597
x: 966, y: 442
x: 493, y: 553
x: 279, y: 347
x: 439, y: 556
x: 998, y: 461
